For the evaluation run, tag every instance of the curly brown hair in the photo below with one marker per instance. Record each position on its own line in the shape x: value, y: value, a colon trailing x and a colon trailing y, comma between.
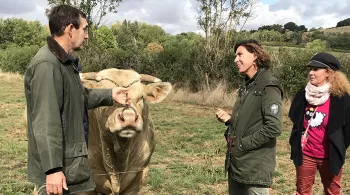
x: 263, y: 59
x: 339, y: 83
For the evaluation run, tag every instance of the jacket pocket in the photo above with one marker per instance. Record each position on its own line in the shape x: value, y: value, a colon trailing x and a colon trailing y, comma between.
x: 76, y: 168
x: 238, y: 150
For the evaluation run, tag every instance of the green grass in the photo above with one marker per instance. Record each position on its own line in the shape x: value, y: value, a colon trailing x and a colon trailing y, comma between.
x: 13, y: 144
x: 188, y: 158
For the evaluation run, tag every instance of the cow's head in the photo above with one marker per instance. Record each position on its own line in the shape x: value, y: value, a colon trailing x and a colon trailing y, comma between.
x: 128, y: 120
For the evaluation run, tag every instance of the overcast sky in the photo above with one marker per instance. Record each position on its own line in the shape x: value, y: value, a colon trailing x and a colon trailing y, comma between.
x: 176, y: 16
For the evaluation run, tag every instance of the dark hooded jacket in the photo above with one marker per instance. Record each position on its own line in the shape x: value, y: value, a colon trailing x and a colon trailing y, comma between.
x: 255, y: 123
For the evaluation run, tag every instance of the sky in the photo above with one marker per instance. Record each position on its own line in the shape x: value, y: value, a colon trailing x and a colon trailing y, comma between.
x: 176, y: 16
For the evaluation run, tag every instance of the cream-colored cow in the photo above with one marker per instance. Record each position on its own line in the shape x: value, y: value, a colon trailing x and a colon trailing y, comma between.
x: 121, y: 138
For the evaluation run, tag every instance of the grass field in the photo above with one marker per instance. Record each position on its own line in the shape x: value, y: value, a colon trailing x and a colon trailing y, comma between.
x: 188, y: 159
x: 342, y: 29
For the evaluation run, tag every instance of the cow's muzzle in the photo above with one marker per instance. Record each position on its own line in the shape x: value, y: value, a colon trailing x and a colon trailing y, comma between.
x: 126, y: 122
x: 128, y: 107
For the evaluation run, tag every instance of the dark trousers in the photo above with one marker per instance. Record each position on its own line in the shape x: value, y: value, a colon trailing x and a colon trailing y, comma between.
x: 236, y: 188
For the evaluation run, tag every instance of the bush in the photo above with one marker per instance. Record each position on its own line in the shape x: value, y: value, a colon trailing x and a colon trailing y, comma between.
x: 290, y: 69
x: 344, y: 59
x: 16, y: 59
x: 339, y: 42
x: 289, y: 66
x: 281, y: 44
x: 317, y: 45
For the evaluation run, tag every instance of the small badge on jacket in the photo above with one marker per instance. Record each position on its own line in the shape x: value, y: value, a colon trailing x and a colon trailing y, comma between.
x: 274, y: 109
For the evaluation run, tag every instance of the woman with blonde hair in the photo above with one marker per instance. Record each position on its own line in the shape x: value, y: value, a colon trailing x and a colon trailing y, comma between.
x: 320, y: 113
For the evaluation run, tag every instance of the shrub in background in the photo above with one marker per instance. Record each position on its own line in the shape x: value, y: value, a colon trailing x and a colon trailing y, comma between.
x: 291, y: 70
x: 16, y: 59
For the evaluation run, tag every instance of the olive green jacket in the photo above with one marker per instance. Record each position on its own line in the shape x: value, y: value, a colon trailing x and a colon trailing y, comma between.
x: 56, y: 101
x: 255, y: 123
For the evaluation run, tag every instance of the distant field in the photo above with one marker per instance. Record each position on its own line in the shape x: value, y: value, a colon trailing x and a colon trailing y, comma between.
x: 188, y: 159
x: 341, y: 29
x: 337, y: 52
x: 276, y: 48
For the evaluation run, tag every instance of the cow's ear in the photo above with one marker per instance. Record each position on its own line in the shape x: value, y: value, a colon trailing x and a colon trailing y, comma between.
x: 156, y: 92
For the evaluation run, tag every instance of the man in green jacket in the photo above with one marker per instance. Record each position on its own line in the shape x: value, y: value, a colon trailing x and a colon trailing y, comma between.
x: 255, y: 123
x: 57, y: 106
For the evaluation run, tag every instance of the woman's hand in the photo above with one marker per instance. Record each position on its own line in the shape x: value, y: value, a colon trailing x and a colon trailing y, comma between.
x: 222, y: 115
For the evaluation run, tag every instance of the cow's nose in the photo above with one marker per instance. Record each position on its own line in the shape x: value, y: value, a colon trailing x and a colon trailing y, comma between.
x: 127, y: 117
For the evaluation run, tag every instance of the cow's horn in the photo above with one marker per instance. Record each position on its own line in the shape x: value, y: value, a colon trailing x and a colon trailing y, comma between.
x: 149, y: 78
x: 89, y: 75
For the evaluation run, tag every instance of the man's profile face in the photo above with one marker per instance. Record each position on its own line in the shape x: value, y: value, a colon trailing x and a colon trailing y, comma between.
x: 79, y: 35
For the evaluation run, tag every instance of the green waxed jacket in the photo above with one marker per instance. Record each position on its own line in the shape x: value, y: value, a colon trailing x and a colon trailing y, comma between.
x: 56, y: 101
x: 255, y: 123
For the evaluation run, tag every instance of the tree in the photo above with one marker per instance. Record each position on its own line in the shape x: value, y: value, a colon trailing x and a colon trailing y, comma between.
x: 224, y: 14
x: 265, y: 27
x: 302, y: 28
x: 275, y: 27
x: 218, y: 19
x: 95, y: 10
x: 313, y: 29
x: 305, y: 37
x: 151, y: 33
x: 22, y: 33
x: 181, y: 61
x: 345, y: 22
x: 291, y: 26
x: 126, y: 38
x: 154, y: 48
x: 317, y: 34
x: 105, y: 38
x: 293, y: 37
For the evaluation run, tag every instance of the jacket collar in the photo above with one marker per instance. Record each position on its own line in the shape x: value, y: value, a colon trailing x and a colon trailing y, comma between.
x: 57, y: 50
x: 248, y: 81
x: 61, y: 54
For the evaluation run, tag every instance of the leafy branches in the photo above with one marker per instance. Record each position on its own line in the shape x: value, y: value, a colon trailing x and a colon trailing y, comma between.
x: 95, y: 10
x: 220, y: 20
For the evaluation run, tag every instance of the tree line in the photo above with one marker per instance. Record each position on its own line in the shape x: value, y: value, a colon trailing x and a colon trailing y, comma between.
x: 187, y: 59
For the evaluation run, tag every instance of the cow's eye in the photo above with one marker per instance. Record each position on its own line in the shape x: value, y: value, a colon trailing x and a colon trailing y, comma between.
x: 139, y: 99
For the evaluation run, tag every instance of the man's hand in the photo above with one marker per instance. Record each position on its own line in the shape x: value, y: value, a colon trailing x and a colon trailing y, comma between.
x: 55, y: 182
x: 222, y: 115
x: 120, y: 95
